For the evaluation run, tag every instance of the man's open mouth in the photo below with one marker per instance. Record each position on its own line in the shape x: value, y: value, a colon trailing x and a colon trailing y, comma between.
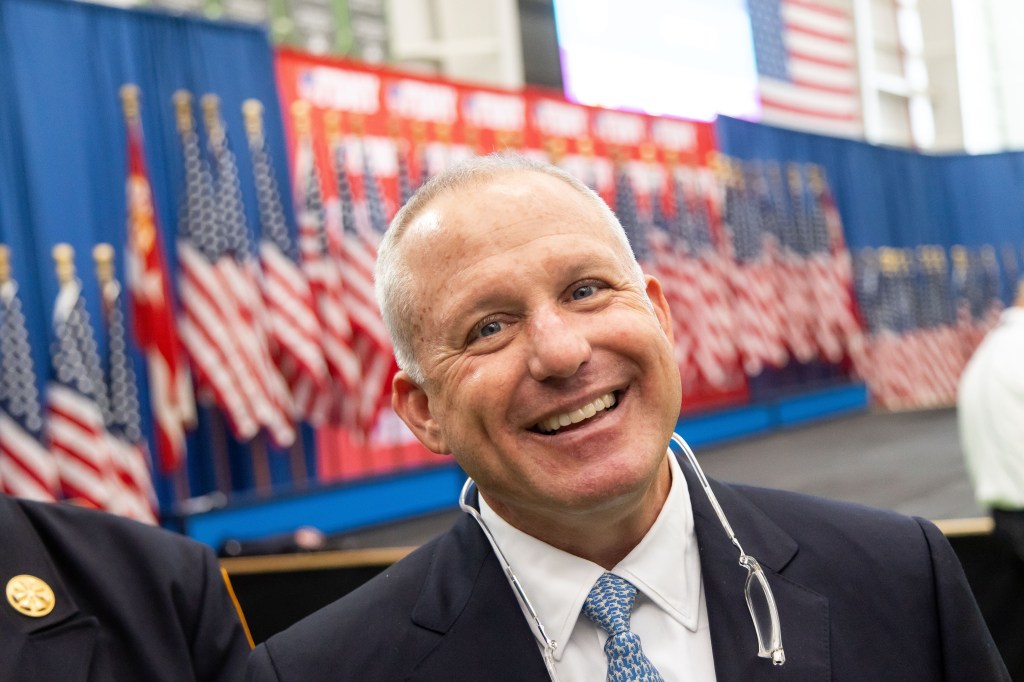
x: 558, y: 422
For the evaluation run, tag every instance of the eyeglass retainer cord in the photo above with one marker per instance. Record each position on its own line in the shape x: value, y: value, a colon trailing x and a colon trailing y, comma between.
x: 776, y: 653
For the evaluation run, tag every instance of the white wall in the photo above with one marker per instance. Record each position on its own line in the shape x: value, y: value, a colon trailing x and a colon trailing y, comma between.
x: 472, y: 40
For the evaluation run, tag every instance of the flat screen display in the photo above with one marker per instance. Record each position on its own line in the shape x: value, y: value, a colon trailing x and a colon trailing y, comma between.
x: 688, y: 58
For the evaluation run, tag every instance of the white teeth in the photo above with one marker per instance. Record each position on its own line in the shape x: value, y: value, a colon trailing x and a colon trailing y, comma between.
x: 554, y: 423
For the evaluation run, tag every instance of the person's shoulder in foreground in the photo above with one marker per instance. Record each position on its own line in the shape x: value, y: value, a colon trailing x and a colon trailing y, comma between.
x: 117, y: 600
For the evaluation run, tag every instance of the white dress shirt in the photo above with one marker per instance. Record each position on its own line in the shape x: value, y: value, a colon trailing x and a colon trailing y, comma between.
x: 990, y: 411
x: 669, y: 616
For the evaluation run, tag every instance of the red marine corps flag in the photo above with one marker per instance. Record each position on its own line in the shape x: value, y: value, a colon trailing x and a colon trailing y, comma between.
x: 152, y: 304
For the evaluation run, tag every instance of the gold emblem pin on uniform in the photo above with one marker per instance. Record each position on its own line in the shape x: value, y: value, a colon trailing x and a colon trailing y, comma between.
x: 30, y: 596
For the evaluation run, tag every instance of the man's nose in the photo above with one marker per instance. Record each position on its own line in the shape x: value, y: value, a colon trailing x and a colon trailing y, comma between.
x: 559, y: 348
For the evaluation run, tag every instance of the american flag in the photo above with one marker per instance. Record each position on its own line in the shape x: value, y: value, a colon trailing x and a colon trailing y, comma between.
x: 821, y: 290
x: 136, y: 498
x: 211, y: 322
x: 671, y: 264
x: 628, y: 213
x: 404, y: 151
x: 78, y: 406
x: 784, y: 248
x: 295, y: 333
x: 935, y: 316
x: 149, y: 286
x: 27, y: 468
x: 933, y: 380
x: 758, y: 340
x: 807, y: 65
x: 372, y: 342
x: 894, y: 358
x: 695, y: 283
x: 321, y: 265
x: 240, y: 273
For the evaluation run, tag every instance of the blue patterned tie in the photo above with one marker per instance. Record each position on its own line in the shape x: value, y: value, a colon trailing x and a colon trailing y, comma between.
x: 609, y: 604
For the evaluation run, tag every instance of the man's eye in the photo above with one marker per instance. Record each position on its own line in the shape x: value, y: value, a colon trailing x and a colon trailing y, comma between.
x: 489, y: 329
x: 582, y: 292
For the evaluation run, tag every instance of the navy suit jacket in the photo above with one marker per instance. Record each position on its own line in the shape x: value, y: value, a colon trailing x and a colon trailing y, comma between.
x: 862, y: 594
x: 132, y: 602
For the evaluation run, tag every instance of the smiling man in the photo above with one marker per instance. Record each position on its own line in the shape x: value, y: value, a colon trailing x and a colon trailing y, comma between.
x: 536, y: 352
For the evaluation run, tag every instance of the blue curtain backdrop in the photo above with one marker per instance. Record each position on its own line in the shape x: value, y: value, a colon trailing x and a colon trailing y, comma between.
x: 892, y: 197
x: 63, y: 151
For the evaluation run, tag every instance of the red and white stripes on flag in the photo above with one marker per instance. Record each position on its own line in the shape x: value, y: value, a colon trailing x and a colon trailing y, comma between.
x: 240, y: 273
x: 807, y: 65
x: 77, y: 402
x: 371, y: 340
x: 135, y: 497
x: 321, y: 263
x: 27, y: 468
x: 210, y: 322
x: 294, y: 332
x: 149, y: 286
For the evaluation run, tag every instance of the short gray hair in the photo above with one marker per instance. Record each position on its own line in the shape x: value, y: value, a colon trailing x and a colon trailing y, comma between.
x: 394, y: 282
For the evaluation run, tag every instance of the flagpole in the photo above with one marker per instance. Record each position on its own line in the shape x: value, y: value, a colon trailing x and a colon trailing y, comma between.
x: 260, y: 464
x: 221, y: 465
x: 252, y: 112
x: 297, y: 459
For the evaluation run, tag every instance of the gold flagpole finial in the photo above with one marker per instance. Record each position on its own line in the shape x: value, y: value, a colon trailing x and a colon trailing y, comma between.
x: 5, y: 264
x: 443, y: 132
x: 419, y: 132
x: 358, y: 122
x: 252, y: 112
x: 301, y: 117
x: 210, y: 104
x: 556, y: 148
x: 130, y: 102
x: 183, y: 110
x: 103, y: 256
x: 796, y: 181
x: 585, y: 146
x: 64, y: 262
x: 332, y: 125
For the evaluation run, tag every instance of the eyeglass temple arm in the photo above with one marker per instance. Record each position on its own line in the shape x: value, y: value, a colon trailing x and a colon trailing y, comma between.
x: 777, y: 654
x: 692, y: 459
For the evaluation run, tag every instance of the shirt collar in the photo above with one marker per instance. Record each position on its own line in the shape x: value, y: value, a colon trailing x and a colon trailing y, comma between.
x: 665, y: 566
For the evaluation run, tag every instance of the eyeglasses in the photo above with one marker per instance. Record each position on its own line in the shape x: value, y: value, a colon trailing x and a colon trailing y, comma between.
x: 756, y: 590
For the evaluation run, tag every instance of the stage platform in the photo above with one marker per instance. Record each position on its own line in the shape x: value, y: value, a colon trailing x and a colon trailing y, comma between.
x: 398, y: 497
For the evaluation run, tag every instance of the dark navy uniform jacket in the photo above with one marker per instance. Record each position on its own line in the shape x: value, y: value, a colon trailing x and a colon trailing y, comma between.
x: 131, y: 602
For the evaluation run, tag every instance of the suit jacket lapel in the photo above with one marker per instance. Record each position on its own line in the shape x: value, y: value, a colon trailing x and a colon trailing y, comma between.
x: 31, y: 641
x: 466, y: 591
x: 477, y: 630
x: 803, y: 614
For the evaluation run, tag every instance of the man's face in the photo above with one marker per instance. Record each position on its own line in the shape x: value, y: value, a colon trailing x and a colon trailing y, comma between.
x: 529, y: 315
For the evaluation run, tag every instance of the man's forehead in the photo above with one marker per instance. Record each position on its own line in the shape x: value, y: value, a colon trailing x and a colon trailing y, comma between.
x: 506, y: 202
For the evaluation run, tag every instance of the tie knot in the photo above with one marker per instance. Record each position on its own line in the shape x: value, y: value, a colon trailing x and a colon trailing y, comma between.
x: 610, y: 602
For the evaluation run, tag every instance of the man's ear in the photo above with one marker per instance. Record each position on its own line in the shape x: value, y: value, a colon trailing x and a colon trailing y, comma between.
x: 411, y: 404
x: 661, y: 309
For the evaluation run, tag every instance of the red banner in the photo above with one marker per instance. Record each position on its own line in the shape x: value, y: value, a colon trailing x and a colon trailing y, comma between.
x: 395, y: 129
